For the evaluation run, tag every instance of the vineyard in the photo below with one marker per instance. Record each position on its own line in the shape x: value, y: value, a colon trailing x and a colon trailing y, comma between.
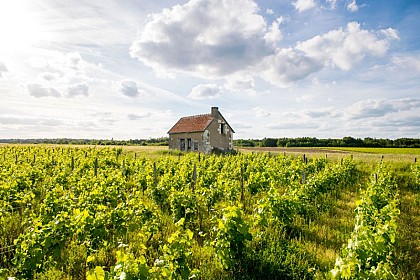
x: 104, y: 213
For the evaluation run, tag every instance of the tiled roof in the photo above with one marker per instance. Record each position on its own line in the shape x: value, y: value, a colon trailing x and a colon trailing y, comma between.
x: 192, y: 124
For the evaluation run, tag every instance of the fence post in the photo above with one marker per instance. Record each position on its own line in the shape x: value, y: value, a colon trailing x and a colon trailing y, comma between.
x: 72, y: 163
x: 96, y: 166
x: 194, y: 177
x: 303, y: 177
x: 154, y: 174
x: 376, y: 177
x: 16, y: 161
x: 242, y: 188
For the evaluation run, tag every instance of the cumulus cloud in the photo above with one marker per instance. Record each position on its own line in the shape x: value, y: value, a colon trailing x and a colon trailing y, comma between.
x: 352, y: 6
x: 303, y: 5
x: 206, y: 38
x: 207, y: 91
x: 381, y: 107
x: 220, y: 39
x: 344, y: 48
x: 78, y: 89
x: 130, y: 88
x: 37, y: 90
x: 288, y: 66
x: 3, y: 69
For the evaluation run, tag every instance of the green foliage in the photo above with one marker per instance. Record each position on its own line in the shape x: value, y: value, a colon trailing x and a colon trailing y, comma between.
x: 231, y: 233
x: 370, y: 251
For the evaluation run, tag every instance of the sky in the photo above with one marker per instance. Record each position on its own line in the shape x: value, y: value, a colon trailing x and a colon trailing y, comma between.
x: 103, y: 69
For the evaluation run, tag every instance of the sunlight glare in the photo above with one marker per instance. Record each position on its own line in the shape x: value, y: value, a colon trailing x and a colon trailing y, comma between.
x: 19, y: 27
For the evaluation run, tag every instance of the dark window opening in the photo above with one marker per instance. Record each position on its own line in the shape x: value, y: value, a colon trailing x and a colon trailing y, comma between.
x: 182, y: 145
x: 222, y: 128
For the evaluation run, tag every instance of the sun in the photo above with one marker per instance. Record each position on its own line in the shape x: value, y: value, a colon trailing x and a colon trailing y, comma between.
x: 19, y: 26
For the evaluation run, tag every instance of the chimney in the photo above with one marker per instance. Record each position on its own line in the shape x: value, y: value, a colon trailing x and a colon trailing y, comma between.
x: 214, y: 111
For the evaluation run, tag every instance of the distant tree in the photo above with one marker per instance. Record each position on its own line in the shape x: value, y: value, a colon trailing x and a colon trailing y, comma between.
x: 269, y: 142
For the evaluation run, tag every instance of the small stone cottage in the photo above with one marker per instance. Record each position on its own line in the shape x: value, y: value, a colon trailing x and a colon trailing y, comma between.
x: 204, y: 133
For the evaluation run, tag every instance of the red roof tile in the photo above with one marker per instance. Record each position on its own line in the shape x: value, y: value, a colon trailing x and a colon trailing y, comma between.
x: 192, y: 124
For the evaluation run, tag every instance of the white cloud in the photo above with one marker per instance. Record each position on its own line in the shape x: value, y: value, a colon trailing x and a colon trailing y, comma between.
x: 391, y: 33
x: 344, y: 48
x: 3, y: 69
x: 274, y: 33
x: 207, y: 91
x: 261, y: 113
x: 134, y: 117
x: 78, y: 89
x: 49, y: 76
x: 37, y: 90
x: 219, y: 39
x: 288, y: 66
x: 239, y: 83
x: 380, y: 107
x: 206, y: 38
x: 410, y: 62
x: 28, y: 121
x: 130, y: 88
x: 303, y: 5
x: 269, y: 11
x: 332, y: 3
x: 352, y: 6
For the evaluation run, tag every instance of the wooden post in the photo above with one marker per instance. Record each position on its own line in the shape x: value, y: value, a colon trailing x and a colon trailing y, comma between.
x: 382, y: 158
x: 96, y: 166
x: 376, y: 177
x: 194, y: 177
x: 72, y: 163
x: 16, y: 161
x: 415, y: 160
x: 135, y: 156
x: 326, y: 156
x: 242, y: 187
x: 154, y: 174
x: 34, y: 158
x: 52, y: 160
x: 199, y: 156
x: 304, y: 158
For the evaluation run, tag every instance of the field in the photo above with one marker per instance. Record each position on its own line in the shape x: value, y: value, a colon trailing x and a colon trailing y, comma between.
x: 77, y: 212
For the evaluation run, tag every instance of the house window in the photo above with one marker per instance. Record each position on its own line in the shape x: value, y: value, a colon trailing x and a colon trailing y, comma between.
x: 188, y: 144
x: 195, y: 145
x: 222, y: 128
x: 182, y: 144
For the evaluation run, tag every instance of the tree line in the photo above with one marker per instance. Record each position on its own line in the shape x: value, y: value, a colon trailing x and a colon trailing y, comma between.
x: 161, y: 141
x: 330, y: 142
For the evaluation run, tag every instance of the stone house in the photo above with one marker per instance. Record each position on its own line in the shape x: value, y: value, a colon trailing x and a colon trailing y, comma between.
x: 204, y: 133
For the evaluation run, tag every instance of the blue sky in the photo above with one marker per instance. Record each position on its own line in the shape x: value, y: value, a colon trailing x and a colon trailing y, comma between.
x: 130, y: 69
